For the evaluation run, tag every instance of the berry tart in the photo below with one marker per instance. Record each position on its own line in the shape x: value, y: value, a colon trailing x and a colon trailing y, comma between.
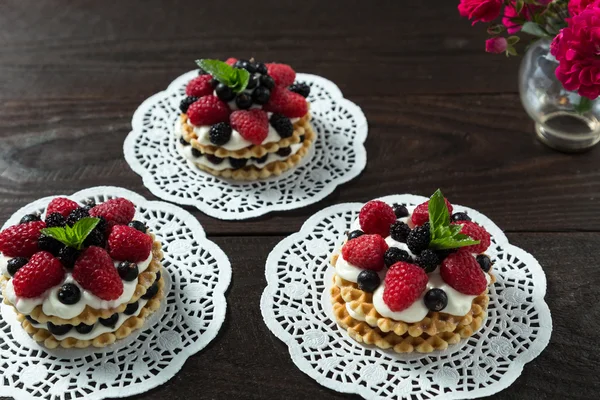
x: 244, y: 120
x: 82, y: 274
x: 412, y: 279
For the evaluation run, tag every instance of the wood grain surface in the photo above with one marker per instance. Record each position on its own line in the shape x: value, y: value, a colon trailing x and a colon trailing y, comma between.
x: 441, y: 112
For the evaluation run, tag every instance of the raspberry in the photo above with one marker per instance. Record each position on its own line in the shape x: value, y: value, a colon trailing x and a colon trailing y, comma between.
x: 128, y: 244
x: 231, y: 61
x: 282, y: 74
x: 95, y: 271
x: 421, y: 213
x: 21, y: 240
x: 61, y: 205
x: 290, y: 104
x: 199, y: 86
x: 118, y: 211
x: 404, y: 283
x: 366, y: 251
x: 376, y: 217
x: 253, y: 125
x: 476, y: 232
x: 461, y: 271
x: 207, y: 111
x: 42, y: 272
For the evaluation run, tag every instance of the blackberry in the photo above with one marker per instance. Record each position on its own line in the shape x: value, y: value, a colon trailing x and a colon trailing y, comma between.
x: 436, y: 299
x: 30, y: 218
x: 460, y: 216
x: 394, y: 255
x: 89, y: 204
x: 220, y: 133
x: 69, y: 294
x: 368, y: 280
x: 55, y: 220
x: 301, y: 88
x: 267, y: 82
x: 83, y: 328
x: 186, y: 103
x: 138, y: 225
x: 261, y: 160
x: 253, y: 82
x: 237, y: 163
x: 196, y: 153
x: 95, y: 238
x: 282, y: 125
x: 111, y: 321
x: 400, y: 211
x: 128, y: 271
x: 442, y: 254
x: 243, y: 101
x: 224, y: 92
x: 355, y: 234
x: 484, y: 262
x: 418, y: 239
x: 50, y: 245
x: 399, y: 231
x: 58, y: 329
x: 151, y: 292
x: 284, y: 151
x: 261, y: 95
x: 131, y: 308
x: 261, y: 68
x: 214, y: 159
x: 428, y: 260
x: 183, y: 142
x: 68, y: 256
x: 14, y: 264
x: 76, y: 215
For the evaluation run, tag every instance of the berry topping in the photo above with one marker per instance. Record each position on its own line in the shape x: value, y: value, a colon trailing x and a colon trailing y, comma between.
x: 95, y: 271
x: 460, y: 216
x: 428, y: 260
x: 282, y: 74
x: 61, y: 205
x: 368, y: 280
x: 484, y: 262
x: 208, y: 111
x: 140, y: 226
x: 224, y: 92
x: 151, y: 292
x: 394, y: 255
x: 55, y: 220
x: 128, y: 271
x: 376, y: 217
x: 290, y: 104
x: 67, y: 256
x: 253, y: 125
x: 365, y: 252
x: 476, y: 232
x: 301, y: 88
x: 128, y: 244
x: 399, y: 231
x: 282, y: 125
x: 237, y: 163
x: 30, y: 218
x: 355, y: 234
x: 14, y: 264
x: 83, y: 328
x: 400, y: 211
x: 421, y: 213
x: 76, y: 215
x: 267, y: 82
x: 131, y: 308
x: 199, y: 86
x: 284, y: 151
x: 243, y: 101
x: 109, y: 322
x: 404, y: 283
x: 42, y: 272
x: 186, y: 103
x: 435, y: 299
x: 418, y: 239
x: 261, y: 95
x: 461, y: 271
x: 231, y: 61
x: 214, y: 159
x: 117, y: 211
x: 21, y: 240
x: 220, y: 133
x: 51, y: 245
x: 58, y: 329
x: 69, y: 293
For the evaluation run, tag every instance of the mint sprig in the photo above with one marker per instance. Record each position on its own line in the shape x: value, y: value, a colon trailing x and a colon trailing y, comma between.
x: 444, y: 236
x: 73, y: 236
x: 235, y: 78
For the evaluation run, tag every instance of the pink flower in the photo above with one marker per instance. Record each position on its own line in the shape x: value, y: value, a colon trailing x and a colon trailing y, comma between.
x: 577, y: 6
x: 510, y: 12
x: 480, y: 10
x: 496, y: 45
x: 577, y: 49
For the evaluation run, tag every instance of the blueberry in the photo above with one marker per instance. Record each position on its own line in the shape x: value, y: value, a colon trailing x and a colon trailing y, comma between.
x: 394, y: 255
x: 245, y: 64
x: 237, y: 163
x: 151, y: 292
x: 261, y: 95
x: 436, y: 299
x: 214, y: 159
x: 267, y: 82
x: 183, y: 142
x: 69, y: 294
x: 261, y: 68
x: 55, y: 220
x: 128, y: 271
x: 13, y: 265
x: 33, y: 321
x: 284, y: 151
x: 186, y: 103
x: 243, y: 101
x: 355, y: 234
x: 224, y: 92
x: 220, y: 133
x: 253, y: 82
x: 157, y: 277
x: 109, y: 322
x: 400, y: 211
x: 261, y: 160
x: 301, y: 88
x: 83, y: 328
x: 196, y: 153
x: 58, y: 329
x: 68, y: 256
x: 399, y: 231
x: 485, y: 262
x: 30, y: 218
x: 138, y: 225
x: 428, y: 260
x: 460, y: 216
x: 282, y: 125
x: 131, y: 308
x: 368, y: 280
x: 214, y: 83
x: 302, y: 138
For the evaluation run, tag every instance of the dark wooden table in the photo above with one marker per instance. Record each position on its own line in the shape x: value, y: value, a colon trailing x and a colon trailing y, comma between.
x: 442, y: 113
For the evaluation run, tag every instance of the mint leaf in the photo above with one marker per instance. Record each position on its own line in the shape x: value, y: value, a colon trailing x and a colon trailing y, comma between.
x: 73, y: 236
x: 57, y: 233
x: 451, y: 243
x: 235, y: 78
x: 82, y: 229
x: 438, y: 212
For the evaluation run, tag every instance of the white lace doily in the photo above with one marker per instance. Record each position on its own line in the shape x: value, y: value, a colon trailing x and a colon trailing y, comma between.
x: 338, y: 156
x: 189, y: 318
x: 296, y: 307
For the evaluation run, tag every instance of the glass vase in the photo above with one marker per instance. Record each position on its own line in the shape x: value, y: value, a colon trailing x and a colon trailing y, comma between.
x: 563, y: 120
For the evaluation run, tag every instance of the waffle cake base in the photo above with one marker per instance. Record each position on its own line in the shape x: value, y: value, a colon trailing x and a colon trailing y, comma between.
x: 105, y: 339
x: 89, y: 315
x: 276, y: 168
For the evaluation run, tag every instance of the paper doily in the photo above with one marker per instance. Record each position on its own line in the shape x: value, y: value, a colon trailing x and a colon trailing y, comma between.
x: 338, y: 156
x: 296, y: 307
x: 197, y: 273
